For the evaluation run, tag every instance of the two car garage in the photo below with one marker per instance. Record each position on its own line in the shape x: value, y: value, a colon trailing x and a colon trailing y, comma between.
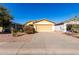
x: 44, y: 26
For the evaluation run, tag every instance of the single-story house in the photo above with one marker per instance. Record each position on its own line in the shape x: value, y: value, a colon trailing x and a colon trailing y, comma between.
x: 43, y: 25
x: 8, y: 26
x: 60, y: 27
x: 17, y: 26
x: 66, y: 25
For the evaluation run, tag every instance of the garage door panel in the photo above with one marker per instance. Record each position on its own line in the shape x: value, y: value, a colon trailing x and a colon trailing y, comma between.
x: 44, y: 28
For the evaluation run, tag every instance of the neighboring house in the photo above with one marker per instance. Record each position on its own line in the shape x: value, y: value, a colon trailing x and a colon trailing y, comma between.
x: 11, y: 24
x: 43, y: 25
x: 60, y: 27
x: 17, y: 26
x: 66, y: 25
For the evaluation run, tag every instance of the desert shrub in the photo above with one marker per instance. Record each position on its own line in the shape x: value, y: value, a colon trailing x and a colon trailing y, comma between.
x: 14, y: 32
x: 20, y: 30
x: 69, y: 28
x: 29, y: 29
x: 75, y: 28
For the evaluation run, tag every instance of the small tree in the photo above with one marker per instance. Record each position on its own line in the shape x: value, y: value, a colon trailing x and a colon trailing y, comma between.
x: 5, y: 17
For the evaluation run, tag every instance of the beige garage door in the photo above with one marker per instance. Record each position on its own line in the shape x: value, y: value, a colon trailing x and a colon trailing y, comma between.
x: 44, y: 28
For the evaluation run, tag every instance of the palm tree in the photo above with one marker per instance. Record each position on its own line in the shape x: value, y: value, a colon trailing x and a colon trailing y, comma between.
x: 5, y: 17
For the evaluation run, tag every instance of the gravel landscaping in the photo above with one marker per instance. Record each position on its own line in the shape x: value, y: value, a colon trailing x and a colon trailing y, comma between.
x: 43, y: 43
x: 73, y: 34
x: 21, y: 37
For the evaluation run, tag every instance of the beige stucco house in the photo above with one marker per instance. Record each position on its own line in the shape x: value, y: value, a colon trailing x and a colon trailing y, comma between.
x: 43, y: 25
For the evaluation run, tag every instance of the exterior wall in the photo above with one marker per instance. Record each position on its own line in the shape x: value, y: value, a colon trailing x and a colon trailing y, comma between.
x: 1, y: 29
x: 65, y: 27
x: 53, y: 27
x: 61, y: 28
x: 77, y: 22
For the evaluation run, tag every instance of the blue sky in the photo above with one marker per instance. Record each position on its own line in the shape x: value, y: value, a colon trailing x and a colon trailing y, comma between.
x: 56, y: 12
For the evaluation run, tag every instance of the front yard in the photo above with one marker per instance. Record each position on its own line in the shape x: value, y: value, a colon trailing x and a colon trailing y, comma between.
x: 39, y: 43
x: 72, y: 34
x: 72, y: 30
x: 19, y: 38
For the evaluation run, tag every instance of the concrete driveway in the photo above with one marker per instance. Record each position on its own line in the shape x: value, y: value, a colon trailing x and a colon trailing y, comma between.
x: 43, y: 43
